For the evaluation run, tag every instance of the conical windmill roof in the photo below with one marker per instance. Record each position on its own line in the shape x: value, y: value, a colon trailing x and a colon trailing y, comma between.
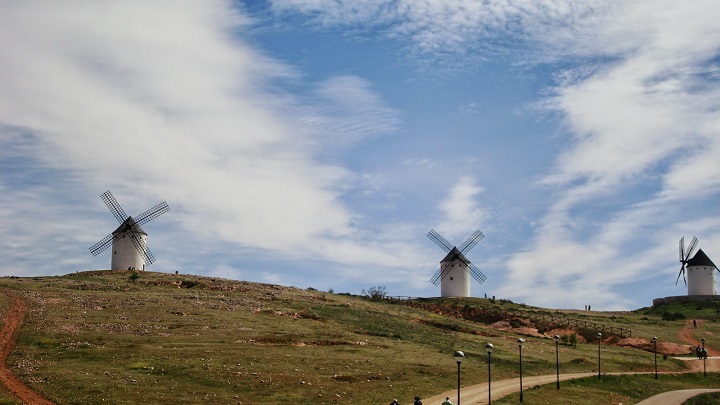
x: 127, y: 225
x: 453, y: 255
x: 700, y: 259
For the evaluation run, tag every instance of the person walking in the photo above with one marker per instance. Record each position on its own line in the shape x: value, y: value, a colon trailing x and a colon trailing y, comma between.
x: 417, y: 401
x: 394, y: 402
x: 447, y: 401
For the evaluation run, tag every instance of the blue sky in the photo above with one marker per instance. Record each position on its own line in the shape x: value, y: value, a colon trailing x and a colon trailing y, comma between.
x: 314, y: 143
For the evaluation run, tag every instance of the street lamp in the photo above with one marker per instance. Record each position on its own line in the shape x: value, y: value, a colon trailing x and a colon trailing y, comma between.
x: 520, y: 342
x: 703, y: 356
x: 557, y: 360
x: 459, y: 356
x: 654, y: 339
x: 489, y: 348
x: 599, y: 336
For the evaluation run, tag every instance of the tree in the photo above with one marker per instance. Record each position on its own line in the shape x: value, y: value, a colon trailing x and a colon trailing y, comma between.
x: 134, y: 276
x: 375, y: 293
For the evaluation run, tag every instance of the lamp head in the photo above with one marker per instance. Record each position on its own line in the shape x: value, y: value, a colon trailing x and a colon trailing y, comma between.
x: 459, y: 356
x: 654, y: 339
x: 557, y: 338
x: 489, y: 347
x: 520, y: 342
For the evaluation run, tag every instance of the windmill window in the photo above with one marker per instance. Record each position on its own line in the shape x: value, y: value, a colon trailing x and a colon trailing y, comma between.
x: 451, y: 278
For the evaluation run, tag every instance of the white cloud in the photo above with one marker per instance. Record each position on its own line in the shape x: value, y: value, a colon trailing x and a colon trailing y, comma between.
x: 640, y: 110
x: 160, y: 100
x: 460, y: 209
x: 346, y: 110
x: 166, y: 100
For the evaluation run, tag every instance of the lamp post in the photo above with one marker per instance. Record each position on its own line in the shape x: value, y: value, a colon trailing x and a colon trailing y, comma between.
x: 459, y: 356
x: 520, y: 342
x: 557, y: 361
x: 654, y: 339
x: 703, y: 356
x: 599, y: 336
x: 489, y: 348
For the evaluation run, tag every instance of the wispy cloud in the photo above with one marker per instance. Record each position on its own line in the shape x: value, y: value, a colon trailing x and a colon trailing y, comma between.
x: 125, y: 97
x: 184, y: 106
x: 461, y: 209
x: 639, y: 109
x: 642, y: 120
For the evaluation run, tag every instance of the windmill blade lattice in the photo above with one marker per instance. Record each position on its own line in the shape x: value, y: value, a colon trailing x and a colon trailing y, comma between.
x: 440, y: 274
x: 130, y: 227
x: 152, y: 213
x: 677, y: 280
x: 691, y: 248
x: 476, y: 273
x: 141, y: 247
x: 457, y: 254
x: 104, y: 243
x: 471, y: 241
x: 113, y: 206
x: 681, y: 248
x: 440, y: 241
x: 685, y: 256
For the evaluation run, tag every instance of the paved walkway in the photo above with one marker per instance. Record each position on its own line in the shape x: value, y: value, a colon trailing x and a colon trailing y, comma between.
x: 478, y: 394
x: 674, y: 397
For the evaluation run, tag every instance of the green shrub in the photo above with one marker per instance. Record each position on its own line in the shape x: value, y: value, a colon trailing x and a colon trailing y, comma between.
x: 667, y: 316
x: 375, y: 293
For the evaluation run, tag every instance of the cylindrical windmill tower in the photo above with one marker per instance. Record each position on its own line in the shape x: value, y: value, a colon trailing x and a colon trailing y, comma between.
x: 700, y: 269
x: 455, y: 269
x: 701, y: 275
x: 456, y: 279
x: 129, y: 241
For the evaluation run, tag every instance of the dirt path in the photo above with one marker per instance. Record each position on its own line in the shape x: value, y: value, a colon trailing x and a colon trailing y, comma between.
x: 675, y: 397
x: 686, y: 334
x: 478, y: 394
x: 12, y: 319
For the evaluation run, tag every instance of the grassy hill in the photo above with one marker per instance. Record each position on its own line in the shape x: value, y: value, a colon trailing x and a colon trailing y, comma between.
x: 99, y: 336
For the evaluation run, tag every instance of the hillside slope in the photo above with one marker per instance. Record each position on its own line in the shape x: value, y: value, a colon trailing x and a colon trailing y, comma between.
x: 100, y: 336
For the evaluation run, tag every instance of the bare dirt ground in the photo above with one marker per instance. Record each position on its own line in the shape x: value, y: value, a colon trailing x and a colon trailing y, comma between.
x: 12, y: 320
x: 686, y: 334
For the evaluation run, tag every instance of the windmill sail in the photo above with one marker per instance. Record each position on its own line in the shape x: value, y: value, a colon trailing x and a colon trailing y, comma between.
x: 685, y: 256
x: 440, y: 241
x: 129, y: 227
x: 456, y: 257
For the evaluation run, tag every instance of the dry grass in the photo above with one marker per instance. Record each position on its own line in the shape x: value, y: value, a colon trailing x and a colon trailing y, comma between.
x: 98, y: 336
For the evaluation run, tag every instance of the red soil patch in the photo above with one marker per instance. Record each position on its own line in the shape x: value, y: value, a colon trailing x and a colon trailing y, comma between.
x: 686, y: 334
x: 12, y: 319
x: 672, y: 349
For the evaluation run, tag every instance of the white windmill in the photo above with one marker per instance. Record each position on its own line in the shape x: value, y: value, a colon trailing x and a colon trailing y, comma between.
x: 455, y: 269
x: 700, y: 270
x: 129, y: 240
